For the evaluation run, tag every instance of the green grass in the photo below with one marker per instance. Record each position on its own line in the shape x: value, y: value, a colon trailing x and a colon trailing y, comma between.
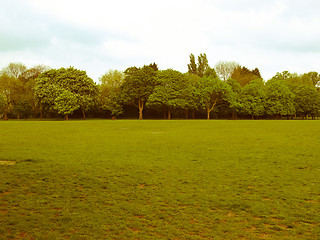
x: 160, y: 179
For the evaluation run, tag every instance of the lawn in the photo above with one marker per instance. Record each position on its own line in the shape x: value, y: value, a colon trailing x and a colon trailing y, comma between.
x: 157, y: 179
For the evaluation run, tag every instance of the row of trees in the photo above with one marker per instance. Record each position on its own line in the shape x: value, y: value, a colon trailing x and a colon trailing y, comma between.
x: 228, y: 89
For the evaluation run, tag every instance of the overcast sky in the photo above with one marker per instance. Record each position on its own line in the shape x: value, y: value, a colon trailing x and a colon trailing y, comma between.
x: 99, y: 35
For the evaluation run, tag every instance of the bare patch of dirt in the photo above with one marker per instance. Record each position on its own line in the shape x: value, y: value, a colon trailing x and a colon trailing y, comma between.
x: 4, y: 162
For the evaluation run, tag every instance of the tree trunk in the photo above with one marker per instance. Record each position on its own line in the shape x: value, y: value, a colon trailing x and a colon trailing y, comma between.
x: 140, y: 109
x: 187, y: 113
x: 18, y: 116
x: 83, y: 114
x: 208, y: 113
x: 193, y: 116
x: 5, y: 115
x: 66, y: 117
x: 169, y: 114
x: 41, y: 114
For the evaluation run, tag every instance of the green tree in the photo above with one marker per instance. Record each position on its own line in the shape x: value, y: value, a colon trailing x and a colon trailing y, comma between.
x: 192, y: 66
x: 236, y: 105
x: 307, y: 100
x: 243, y: 75
x: 23, y: 109
x: 252, y: 98
x: 66, y: 103
x: 315, y: 78
x: 9, y: 87
x: 214, y: 93
x: 138, y: 86
x: 110, y: 87
x: 171, y: 92
x: 52, y: 83
x: 201, y: 68
x: 279, y: 99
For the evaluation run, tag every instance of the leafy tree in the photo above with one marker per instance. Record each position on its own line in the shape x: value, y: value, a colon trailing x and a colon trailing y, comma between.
x: 52, y: 83
x: 154, y: 66
x: 213, y: 94
x: 110, y: 87
x: 8, y: 89
x: 279, y: 99
x: 23, y: 109
x: 307, y: 100
x: 225, y: 69
x: 2, y: 103
x: 172, y: 91
x: 201, y: 68
x: 66, y: 103
x: 236, y: 89
x: 193, y: 93
x: 252, y: 98
x: 192, y: 66
x: 243, y: 75
x: 203, y: 65
x: 315, y: 78
x: 138, y: 86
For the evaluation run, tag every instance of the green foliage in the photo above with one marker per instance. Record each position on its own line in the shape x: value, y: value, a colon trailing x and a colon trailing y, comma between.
x: 243, y: 75
x: 213, y: 93
x: 279, y: 99
x: 192, y: 66
x: 307, y: 100
x: 110, y: 87
x: 23, y: 109
x: 201, y: 68
x: 172, y: 91
x: 2, y: 103
x: 66, y: 102
x: 192, y: 180
x: 138, y: 86
x: 51, y: 84
x: 252, y: 98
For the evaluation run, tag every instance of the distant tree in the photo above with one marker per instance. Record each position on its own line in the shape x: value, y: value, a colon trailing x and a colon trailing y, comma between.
x: 243, y: 75
x: 2, y: 103
x: 252, y: 98
x: 14, y: 70
x: 201, y: 68
x: 193, y: 96
x: 225, y: 69
x: 9, y: 89
x: 307, y: 100
x: 172, y: 91
x: 203, y: 65
x: 279, y: 99
x: 66, y: 103
x: 138, y: 86
x: 70, y: 83
x: 213, y: 94
x: 192, y: 66
x: 282, y: 76
x: 154, y: 66
x: 22, y: 109
x: 315, y: 78
x: 110, y: 87
x: 236, y: 106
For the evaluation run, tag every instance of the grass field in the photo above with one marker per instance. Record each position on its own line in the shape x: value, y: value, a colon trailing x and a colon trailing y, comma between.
x: 153, y: 179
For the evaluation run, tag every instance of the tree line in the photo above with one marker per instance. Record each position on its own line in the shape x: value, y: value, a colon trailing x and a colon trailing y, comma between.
x: 228, y: 90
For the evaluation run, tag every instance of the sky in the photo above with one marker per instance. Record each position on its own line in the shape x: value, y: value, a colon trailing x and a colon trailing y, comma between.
x: 100, y: 35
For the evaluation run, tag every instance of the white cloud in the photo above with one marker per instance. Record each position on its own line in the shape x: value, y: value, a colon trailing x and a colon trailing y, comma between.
x: 98, y: 35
